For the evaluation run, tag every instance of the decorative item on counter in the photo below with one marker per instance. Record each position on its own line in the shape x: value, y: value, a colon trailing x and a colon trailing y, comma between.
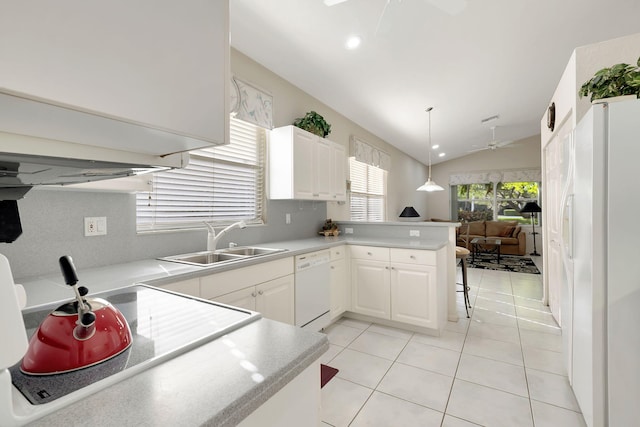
x: 618, y: 80
x: 314, y: 123
x: 329, y: 228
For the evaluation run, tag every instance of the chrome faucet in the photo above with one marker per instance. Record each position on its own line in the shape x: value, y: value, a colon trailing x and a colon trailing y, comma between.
x: 212, y: 238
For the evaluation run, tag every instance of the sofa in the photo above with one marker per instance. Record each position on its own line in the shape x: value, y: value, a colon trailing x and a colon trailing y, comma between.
x: 511, y: 234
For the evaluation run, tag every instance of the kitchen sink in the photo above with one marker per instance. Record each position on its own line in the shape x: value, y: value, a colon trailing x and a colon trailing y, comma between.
x: 249, y: 251
x: 207, y: 258
x: 203, y: 258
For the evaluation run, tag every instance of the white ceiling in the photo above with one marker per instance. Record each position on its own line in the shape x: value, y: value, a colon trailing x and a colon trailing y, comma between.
x: 495, y: 57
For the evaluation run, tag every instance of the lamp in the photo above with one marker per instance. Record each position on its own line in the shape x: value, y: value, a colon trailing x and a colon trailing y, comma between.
x: 532, y: 208
x: 429, y: 185
x: 409, y: 212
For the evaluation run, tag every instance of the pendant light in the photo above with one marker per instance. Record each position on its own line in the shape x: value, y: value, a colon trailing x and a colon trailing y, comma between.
x: 429, y: 185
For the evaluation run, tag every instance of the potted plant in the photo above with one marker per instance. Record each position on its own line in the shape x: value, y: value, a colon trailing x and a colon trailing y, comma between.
x: 618, y: 80
x: 314, y: 123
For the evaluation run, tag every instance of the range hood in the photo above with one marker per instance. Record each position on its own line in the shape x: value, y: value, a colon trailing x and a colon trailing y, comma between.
x: 44, y: 143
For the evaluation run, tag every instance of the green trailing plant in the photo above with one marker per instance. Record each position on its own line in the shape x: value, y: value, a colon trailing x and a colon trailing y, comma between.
x: 618, y: 80
x: 314, y: 123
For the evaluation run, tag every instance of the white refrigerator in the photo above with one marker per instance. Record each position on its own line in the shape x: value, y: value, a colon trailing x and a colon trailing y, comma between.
x: 605, y: 234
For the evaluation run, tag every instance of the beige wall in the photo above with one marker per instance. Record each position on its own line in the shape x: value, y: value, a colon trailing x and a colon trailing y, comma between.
x: 289, y: 102
x: 522, y: 154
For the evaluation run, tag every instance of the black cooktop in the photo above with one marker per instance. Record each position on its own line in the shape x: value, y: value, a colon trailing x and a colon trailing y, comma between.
x: 163, y: 325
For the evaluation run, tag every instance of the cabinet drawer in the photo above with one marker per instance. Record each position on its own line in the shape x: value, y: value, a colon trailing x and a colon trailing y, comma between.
x: 413, y: 256
x: 338, y: 252
x: 229, y: 281
x: 370, y: 252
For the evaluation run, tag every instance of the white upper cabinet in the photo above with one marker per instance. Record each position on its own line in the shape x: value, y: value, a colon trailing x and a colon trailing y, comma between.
x: 303, y: 166
x: 161, y: 65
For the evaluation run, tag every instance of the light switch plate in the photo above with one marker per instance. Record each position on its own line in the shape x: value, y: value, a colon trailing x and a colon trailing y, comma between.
x: 348, y: 230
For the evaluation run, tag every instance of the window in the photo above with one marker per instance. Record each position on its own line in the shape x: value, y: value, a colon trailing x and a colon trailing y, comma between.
x: 221, y: 184
x: 494, y: 201
x: 368, y: 192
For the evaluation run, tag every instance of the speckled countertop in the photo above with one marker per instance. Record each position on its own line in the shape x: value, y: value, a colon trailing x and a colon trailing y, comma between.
x: 208, y: 385
x: 50, y: 288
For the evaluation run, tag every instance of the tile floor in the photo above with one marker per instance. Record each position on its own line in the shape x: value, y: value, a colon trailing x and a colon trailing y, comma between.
x: 502, y: 367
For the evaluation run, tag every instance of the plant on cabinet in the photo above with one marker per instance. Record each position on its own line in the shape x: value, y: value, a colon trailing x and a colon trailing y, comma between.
x: 618, y: 80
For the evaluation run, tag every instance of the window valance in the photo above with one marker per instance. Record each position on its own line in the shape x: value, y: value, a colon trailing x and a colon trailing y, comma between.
x: 486, y: 177
x: 251, y: 104
x: 365, y: 153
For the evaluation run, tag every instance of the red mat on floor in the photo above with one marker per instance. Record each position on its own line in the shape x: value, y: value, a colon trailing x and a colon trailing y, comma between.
x: 326, y: 373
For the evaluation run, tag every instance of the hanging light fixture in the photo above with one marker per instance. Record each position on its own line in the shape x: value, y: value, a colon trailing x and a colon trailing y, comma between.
x: 429, y: 185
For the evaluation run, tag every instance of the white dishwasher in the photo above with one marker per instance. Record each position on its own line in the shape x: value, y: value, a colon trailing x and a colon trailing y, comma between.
x: 312, y: 298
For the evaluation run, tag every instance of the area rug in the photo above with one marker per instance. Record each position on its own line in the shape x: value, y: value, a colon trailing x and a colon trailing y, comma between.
x: 517, y: 264
x: 326, y: 373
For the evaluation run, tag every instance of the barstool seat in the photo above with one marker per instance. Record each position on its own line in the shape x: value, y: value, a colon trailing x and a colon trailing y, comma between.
x: 462, y: 254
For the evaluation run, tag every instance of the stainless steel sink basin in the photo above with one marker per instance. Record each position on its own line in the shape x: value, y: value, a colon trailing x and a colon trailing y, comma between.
x: 249, y: 251
x: 207, y: 258
x: 203, y: 258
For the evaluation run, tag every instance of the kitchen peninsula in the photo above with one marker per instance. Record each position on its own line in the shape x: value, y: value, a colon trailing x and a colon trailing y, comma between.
x: 214, y: 384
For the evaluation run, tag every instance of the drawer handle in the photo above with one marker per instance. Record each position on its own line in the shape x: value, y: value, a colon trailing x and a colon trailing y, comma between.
x: 412, y: 257
x: 333, y: 267
x: 253, y: 294
x: 369, y: 253
x: 260, y: 292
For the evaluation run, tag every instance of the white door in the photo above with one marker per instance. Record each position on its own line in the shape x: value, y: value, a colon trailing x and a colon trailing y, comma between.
x: 323, y: 170
x: 275, y: 299
x: 371, y: 291
x: 303, y: 164
x: 413, y: 294
x: 244, y: 298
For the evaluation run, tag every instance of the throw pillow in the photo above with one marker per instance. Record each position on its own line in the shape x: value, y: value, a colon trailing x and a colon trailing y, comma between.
x: 506, y: 231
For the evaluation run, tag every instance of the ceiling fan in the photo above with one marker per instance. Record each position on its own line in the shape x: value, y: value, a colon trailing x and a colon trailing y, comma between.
x: 493, y: 144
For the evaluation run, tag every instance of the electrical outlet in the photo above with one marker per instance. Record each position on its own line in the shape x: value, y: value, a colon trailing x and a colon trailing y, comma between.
x: 414, y: 233
x: 287, y: 218
x: 348, y: 230
x: 95, y: 226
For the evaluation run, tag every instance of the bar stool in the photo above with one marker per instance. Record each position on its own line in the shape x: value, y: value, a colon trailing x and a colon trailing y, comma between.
x: 462, y: 254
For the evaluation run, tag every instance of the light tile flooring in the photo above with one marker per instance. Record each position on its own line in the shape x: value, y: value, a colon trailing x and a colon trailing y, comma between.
x: 502, y: 367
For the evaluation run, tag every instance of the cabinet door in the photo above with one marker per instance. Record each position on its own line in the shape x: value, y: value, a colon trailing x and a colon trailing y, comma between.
x: 339, y: 166
x: 154, y: 63
x: 323, y: 174
x: 413, y: 295
x: 244, y: 298
x: 303, y: 164
x: 187, y: 287
x: 340, y: 289
x: 370, y: 288
x: 275, y: 299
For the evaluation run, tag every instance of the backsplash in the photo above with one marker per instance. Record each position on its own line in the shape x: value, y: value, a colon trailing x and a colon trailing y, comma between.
x: 53, y: 224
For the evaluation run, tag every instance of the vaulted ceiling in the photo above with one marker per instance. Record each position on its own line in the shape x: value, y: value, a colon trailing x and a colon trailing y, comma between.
x: 469, y: 59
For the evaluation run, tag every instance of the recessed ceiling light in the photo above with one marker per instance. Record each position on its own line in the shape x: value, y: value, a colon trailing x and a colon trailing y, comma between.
x: 353, y: 42
x: 442, y: 154
x: 435, y: 147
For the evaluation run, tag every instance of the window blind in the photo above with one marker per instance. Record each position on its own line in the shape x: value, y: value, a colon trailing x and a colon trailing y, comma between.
x: 368, y: 191
x: 221, y: 184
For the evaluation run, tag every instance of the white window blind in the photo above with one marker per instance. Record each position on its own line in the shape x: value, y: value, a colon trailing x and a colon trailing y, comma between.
x: 221, y: 184
x: 368, y: 191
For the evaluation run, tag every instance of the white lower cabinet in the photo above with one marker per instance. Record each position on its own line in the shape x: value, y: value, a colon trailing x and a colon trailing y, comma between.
x: 340, y: 287
x: 401, y: 285
x: 371, y: 286
x: 273, y: 299
x: 414, y: 295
